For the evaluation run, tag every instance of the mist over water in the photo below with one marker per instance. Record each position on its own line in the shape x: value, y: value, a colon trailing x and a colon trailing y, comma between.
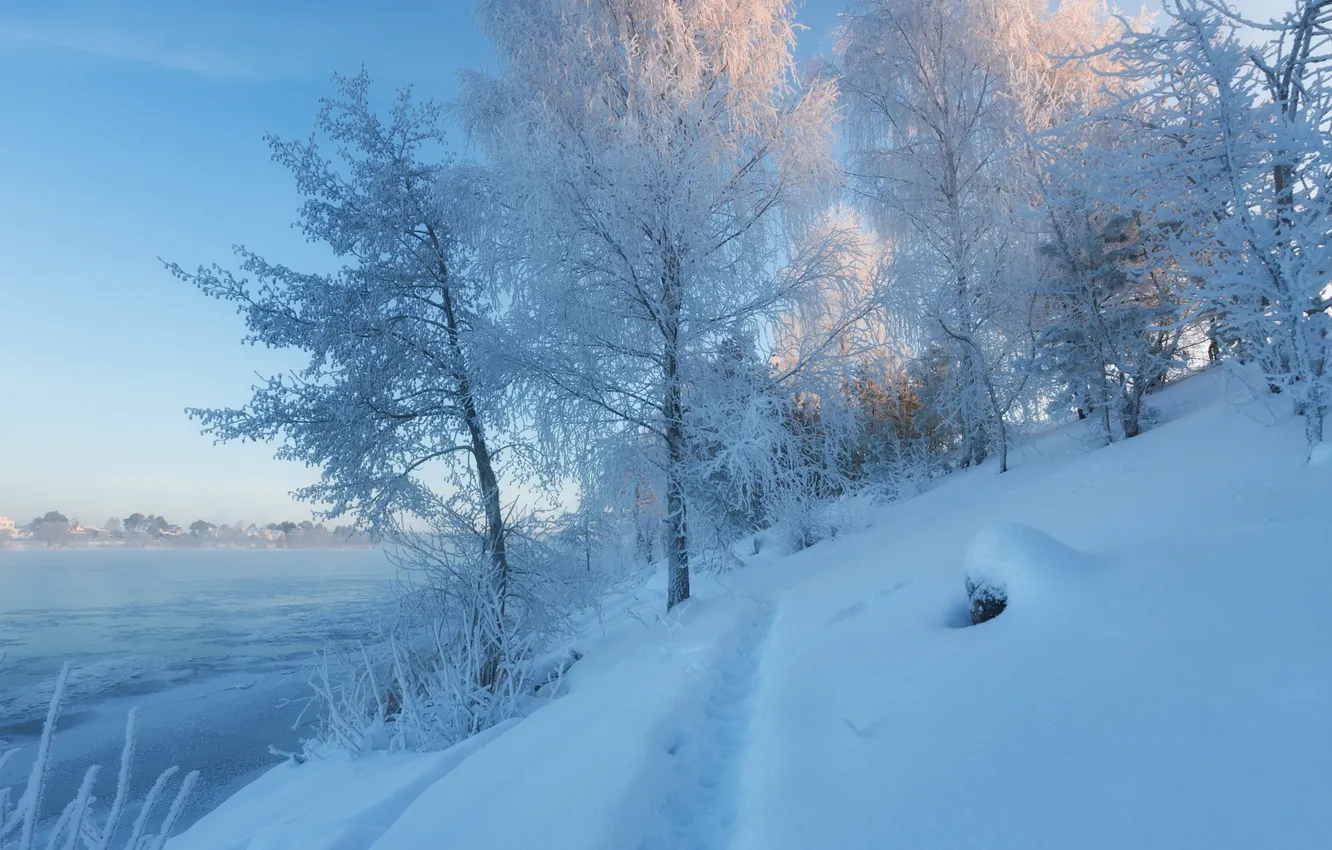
x: 211, y: 645
x: 174, y: 610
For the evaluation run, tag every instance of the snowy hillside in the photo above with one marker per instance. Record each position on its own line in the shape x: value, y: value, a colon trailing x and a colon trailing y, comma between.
x: 1159, y: 679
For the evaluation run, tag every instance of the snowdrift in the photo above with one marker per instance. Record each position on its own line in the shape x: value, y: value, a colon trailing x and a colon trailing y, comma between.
x: 1161, y: 680
x: 1018, y: 566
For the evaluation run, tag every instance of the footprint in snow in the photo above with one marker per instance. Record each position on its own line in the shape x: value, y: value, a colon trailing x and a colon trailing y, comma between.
x: 869, y: 730
x: 863, y: 605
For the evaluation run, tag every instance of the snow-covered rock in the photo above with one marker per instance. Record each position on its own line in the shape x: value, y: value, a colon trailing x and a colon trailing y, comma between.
x: 1016, y: 560
x: 987, y: 596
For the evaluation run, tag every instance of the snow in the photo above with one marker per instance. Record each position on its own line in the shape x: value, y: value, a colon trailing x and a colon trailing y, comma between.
x: 327, y: 804
x: 1022, y: 564
x: 1159, y: 680
x: 1320, y: 454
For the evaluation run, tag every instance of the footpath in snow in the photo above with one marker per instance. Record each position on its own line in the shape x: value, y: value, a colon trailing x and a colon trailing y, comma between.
x: 1159, y: 680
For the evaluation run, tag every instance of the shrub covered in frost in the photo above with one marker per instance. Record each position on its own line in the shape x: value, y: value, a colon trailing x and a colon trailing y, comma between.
x: 415, y: 691
x: 25, y: 822
x: 444, y: 670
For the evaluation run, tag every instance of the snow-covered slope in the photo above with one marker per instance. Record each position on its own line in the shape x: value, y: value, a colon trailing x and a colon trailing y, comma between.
x: 1161, y: 679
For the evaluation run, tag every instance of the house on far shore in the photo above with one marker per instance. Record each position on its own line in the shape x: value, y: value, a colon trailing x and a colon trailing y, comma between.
x: 7, y: 529
x: 87, y: 531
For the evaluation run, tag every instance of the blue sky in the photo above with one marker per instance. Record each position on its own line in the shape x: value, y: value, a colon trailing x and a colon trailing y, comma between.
x: 133, y: 130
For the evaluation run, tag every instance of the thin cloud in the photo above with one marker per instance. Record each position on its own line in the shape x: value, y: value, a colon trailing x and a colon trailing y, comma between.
x: 116, y: 45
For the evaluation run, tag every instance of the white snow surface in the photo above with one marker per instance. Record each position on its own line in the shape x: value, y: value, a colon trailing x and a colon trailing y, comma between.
x: 1160, y: 680
x: 1320, y: 454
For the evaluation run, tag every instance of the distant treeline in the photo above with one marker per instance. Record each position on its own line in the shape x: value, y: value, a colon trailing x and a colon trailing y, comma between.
x: 55, y: 529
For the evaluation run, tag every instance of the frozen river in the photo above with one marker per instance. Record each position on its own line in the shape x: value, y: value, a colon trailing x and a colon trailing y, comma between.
x: 210, y: 644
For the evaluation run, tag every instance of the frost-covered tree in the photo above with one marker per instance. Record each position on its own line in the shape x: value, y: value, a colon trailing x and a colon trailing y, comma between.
x: 1232, y: 152
x: 654, y: 158
x: 930, y: 129
x: 1111, y: 314
x: 766, y: 447
x: 399, y: 400
x: 770, y: 422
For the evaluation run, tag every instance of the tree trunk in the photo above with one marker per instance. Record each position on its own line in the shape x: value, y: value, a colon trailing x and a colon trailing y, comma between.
x: 490, y: 622
x: 495, y: 546
x: 642, y: 537
x: 677, y: 539
x: 975, y: 437
x: 1000, y: 427
x: 1132, y: 414
x: 1314, y: 413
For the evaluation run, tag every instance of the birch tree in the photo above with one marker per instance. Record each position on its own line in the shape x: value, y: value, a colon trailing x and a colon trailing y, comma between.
x: 399, y: 400
x: 929, y: 130
x: 653, y: 157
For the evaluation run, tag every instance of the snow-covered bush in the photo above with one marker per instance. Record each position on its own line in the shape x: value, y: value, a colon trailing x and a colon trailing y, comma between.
x: 451, y: 664
x: 415, y: 691
x: 460, y: 656
x: 23, y: 823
